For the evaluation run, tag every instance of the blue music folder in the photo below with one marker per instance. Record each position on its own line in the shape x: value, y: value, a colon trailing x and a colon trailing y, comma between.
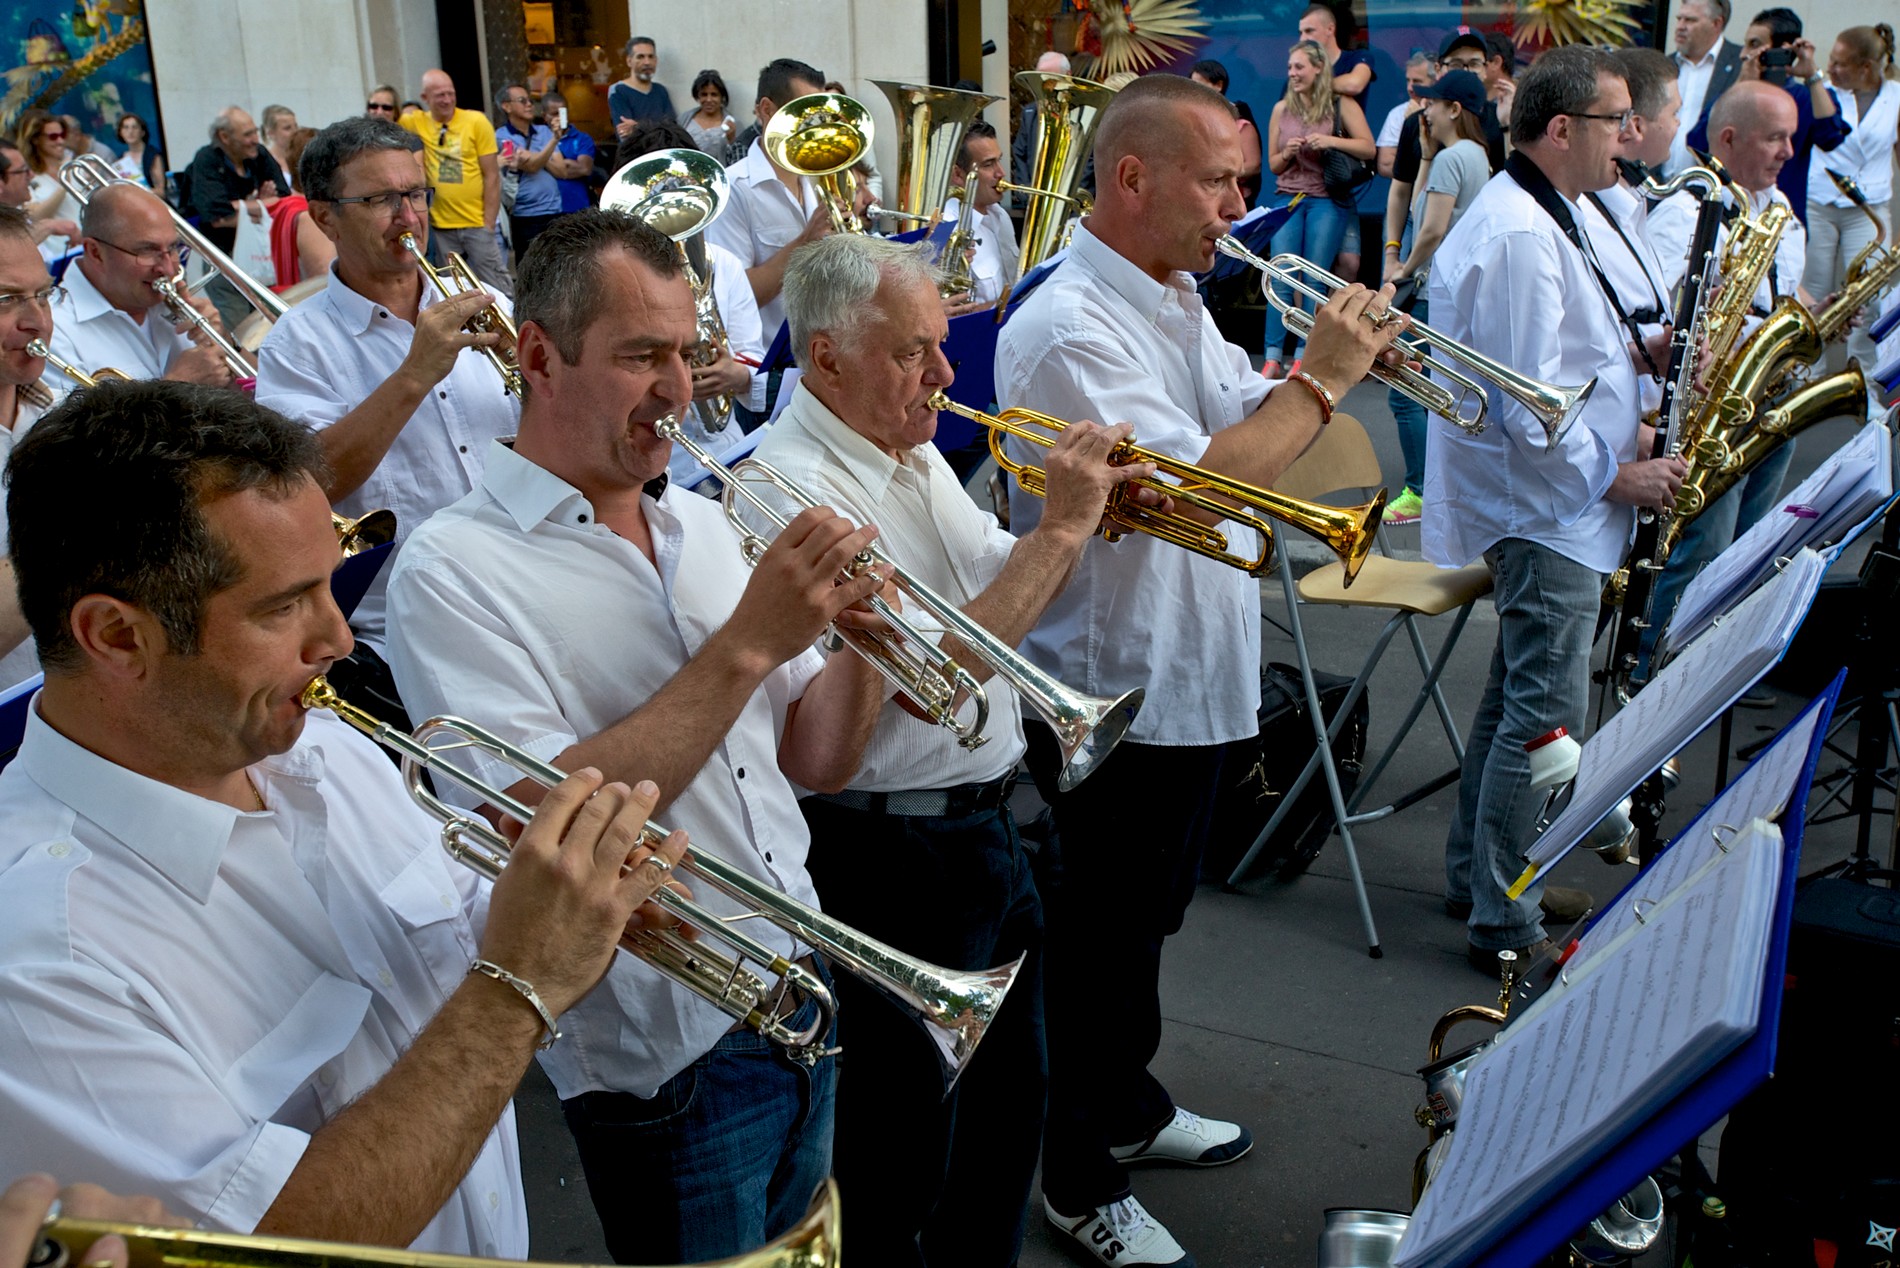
x: 352, y: 578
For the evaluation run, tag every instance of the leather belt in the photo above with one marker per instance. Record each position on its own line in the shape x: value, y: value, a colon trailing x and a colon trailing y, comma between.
x: 927, y: 803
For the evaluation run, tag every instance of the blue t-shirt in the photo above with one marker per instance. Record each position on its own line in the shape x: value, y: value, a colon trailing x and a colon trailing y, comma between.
x: 1348, y: 60
x: 536, y: 193
x: 629, y: 103
x: 574, y: 194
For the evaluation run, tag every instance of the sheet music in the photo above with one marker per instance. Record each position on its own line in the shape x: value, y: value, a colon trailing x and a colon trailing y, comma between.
x: 1686, y: 696
x: 1665, y: 1001
x: 1841, y: 492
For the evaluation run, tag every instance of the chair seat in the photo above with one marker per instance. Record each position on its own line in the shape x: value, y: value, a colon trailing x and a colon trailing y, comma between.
x: 1402, y: 584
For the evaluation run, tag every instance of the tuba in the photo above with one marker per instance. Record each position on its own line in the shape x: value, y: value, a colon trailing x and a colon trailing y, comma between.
x: 458, y: 279
x: 680, y: 193
x: 1348, y: 531
x: 1067, y: 110
x: 955, y: 1007
x: 821, y: 136
x: 930, y: 127
x: 811, y: 1243
x: 38, y: 348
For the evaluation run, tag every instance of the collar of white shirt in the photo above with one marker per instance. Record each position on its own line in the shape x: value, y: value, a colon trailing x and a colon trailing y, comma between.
x: 528, y: 492
x: 870, y: 466
x: 1143, y: 293
x: 87, y: 302
x: 1703, y: 62
x: 181, y: 834
x: 755, y: 168
x: 355, y: 312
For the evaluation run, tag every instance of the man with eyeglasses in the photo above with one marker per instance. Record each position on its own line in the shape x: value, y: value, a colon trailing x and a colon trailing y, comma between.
x: 528, y: 146
x: 1514, y: 280
x: 111, y: 317
x: 464, y: 169
x: 16, y: 190
x: 26, y: 314
x: 373, y: 362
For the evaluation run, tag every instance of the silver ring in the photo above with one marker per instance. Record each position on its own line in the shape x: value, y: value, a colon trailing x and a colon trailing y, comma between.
x: 1722, y: 842
x: 658, y: 862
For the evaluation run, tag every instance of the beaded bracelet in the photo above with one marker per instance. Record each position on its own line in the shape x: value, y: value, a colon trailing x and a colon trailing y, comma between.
x: 1325, y: 398
x: 527, y: 992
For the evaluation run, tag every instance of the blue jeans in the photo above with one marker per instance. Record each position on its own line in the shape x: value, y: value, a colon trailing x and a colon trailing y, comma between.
x: 1409, y: 416
x: 1314, y: 230
x: 1711, y: 533
x: 723, y: 1158
x: 1540, y: 680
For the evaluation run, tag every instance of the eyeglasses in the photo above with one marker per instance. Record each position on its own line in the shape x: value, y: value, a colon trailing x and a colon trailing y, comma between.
x: 147, y: 257
x: 45, y: 297
x: 1622, y: 121
x: 390, y: 201
x: 1463, y: 63
x: 377, y: 105
x: 51, y: 135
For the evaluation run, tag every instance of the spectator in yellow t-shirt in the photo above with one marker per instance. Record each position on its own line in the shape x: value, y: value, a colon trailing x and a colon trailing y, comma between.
x: 459, y: 156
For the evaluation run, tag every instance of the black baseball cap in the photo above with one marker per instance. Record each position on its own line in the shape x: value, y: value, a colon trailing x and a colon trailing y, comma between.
x: 1462, y: 39
x: 1461, y: 86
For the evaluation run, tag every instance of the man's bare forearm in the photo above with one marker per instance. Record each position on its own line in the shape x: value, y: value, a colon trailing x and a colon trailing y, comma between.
x: 356, y: 443
x: 831, y: 723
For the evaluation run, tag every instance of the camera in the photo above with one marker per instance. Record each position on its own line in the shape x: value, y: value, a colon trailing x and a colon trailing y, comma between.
x: 1777, y: 58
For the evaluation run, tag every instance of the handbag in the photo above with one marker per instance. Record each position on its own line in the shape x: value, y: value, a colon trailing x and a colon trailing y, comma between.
x: 251, y: 251
x: 1346, y: 177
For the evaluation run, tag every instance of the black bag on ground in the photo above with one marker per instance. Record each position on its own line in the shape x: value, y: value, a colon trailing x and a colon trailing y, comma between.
x: 1253, y: 789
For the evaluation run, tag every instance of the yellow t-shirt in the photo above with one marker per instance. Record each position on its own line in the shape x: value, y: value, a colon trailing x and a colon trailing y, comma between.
x: 450, y: 153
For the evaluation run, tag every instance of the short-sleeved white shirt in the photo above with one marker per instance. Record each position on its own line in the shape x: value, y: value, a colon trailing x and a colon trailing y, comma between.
x: 22, y: 662
x: 994, y: 265
x: 760, y: 218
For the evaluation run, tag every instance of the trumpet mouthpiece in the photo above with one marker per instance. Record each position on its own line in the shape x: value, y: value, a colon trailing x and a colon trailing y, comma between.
x: 319, y: 694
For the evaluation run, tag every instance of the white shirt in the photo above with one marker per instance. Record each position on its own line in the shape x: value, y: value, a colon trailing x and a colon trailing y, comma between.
x: 1508, y: 283
x: 324, y: 359
x: 39, y: 189
x: 515, y: 608
x: 739, y: 311
x: 994, y: 265
x: 929, y: 525
x: 1100, y: 339
x: 1672, y: 224
x: 1629, y: 260
x: 22, y: 662
x: 188, y: 992
x: 1692, y: 81
x: 1389, y: 130
x: 91, y: 335
x: 1866, y: 154
x: 760, y: 218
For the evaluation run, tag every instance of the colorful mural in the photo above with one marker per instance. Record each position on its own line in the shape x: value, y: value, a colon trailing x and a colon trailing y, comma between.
x: 86, y: 58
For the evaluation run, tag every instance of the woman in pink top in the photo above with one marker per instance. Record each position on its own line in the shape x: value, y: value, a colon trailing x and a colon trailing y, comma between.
x: 1299, y: 134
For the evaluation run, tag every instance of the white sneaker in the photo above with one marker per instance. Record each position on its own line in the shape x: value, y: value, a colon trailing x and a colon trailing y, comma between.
x: 1189, y: 1141
x: 1121, y: 1233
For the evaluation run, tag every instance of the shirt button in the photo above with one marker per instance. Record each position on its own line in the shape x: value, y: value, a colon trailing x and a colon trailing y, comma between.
x: 464, y: 448
x: 581, y: 518
x: 443, y: 395
x: 742, y: 772
x: 494, y: 1200
x: 381, y: 313
x: 326, y: 1076
x: 448, y: 902
x: 768, y: 856
x: 59, y: 849
x: 386, y: 977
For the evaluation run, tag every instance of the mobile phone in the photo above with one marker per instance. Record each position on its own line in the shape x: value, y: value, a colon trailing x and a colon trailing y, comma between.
x: 507, y: 149
x: 561, y: 114
x: 1777, y: 58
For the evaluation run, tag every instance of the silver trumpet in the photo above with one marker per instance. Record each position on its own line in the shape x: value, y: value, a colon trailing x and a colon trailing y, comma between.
x: 1554, y: 407
x: 955, y: 1007
x: 1087, y: 727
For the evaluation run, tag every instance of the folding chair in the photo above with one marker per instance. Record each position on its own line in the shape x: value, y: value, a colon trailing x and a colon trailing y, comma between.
x: 1342, y: 458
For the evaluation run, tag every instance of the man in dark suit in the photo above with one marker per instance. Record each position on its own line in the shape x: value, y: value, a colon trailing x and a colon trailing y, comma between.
x: 1706, y: 64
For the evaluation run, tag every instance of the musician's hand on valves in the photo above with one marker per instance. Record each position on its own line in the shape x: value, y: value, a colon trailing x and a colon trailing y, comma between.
x: 205, y: 309
x: 795, y: 591
x: 1351, y: 330
x: 439, y: 335
x: 724, y: 377
x: 1081, y: 475
x: 575, y: 877
x: 817, y: 225
x: 201, y: 363
x: 1648, y: 482
x: 24, y: 1205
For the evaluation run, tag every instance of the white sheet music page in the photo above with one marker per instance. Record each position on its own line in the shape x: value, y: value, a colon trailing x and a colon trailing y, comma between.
x: 1689, y: 693
x: 1562, y: 1086
x: 1840, y: 493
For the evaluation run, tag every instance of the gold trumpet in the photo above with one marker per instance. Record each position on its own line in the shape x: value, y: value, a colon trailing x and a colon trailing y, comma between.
x: 1347, y: 531
x: 458, y: 279
x: 365, y: 532
x: 1555, y: 408
x: 811, y: 1243
x: 38, y: 348
x: 955, y: 1007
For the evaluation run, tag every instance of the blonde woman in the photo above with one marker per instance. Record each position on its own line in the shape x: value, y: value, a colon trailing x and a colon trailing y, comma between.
x: 1308, y: 123
x: 42, y: 142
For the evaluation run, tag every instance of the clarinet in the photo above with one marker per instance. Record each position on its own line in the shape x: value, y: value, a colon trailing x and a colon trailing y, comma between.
x: 1633, y: 589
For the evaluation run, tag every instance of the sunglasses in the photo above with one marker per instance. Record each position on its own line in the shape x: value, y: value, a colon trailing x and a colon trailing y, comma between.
x: 53, y: 136
x: 377, y: 105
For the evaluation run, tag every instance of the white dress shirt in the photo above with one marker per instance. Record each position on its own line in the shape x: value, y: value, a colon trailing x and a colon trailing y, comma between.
x: 91, y: 335
x: 324, y: 359
x: 1393, y: 125
x: 760, y: 218
x: 1866, y: 154
x: 739, y: 311
x: 517, y: 609
x: 928, y: 524
x: 188, y: 992
x: 1672, y: 224
x: 1692, y: 81
x: 22, y: 662
x: 1099, y: 339
x: 1630, y: 262
x: 1508, y: 283
x: 994, y: 265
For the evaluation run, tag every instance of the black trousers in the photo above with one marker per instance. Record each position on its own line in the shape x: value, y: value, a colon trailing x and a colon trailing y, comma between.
x: 931, y: 1179
x: 523, y: 230
x: 1116, y: 885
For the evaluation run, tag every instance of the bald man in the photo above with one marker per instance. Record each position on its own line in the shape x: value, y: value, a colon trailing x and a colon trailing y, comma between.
x: 233, y: 176
x: 109, y: 315
x: 1751, y: 132
x: 1119, y: 334
x: 464, y: 170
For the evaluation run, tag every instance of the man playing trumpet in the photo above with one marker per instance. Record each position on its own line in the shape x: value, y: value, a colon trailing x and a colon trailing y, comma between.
x: 589, y: 611
x: 26, y: 318
x: 236, y: 970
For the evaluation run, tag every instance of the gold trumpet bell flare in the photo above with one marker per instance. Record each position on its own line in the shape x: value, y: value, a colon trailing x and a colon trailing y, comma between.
x: 1353, y: 551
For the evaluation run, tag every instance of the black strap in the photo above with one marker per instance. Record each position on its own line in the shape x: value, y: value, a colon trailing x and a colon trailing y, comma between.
x: 1531, y: 177
x: 1634, y: 320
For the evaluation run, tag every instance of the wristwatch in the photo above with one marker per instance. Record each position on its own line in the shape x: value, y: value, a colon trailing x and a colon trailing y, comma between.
x: 1815, y: 80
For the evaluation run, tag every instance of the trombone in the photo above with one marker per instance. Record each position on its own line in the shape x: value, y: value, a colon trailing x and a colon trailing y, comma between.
x: 955, y: 1007
x: 1348, y: 531
x: 1087, y: 727
x: 38, y: 348
x: 1555, y: 408
x: 457, y: 279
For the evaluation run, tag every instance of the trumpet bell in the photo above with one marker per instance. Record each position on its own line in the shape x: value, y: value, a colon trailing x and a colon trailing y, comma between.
x: 679, y: 192
x: 818, y: 134
x: 1088, y: 729
x: 366, y: 532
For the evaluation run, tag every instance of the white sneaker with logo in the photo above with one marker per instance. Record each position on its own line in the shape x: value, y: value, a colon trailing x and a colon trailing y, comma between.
x: 1121, y: 1233
x: 1188, y: 1141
